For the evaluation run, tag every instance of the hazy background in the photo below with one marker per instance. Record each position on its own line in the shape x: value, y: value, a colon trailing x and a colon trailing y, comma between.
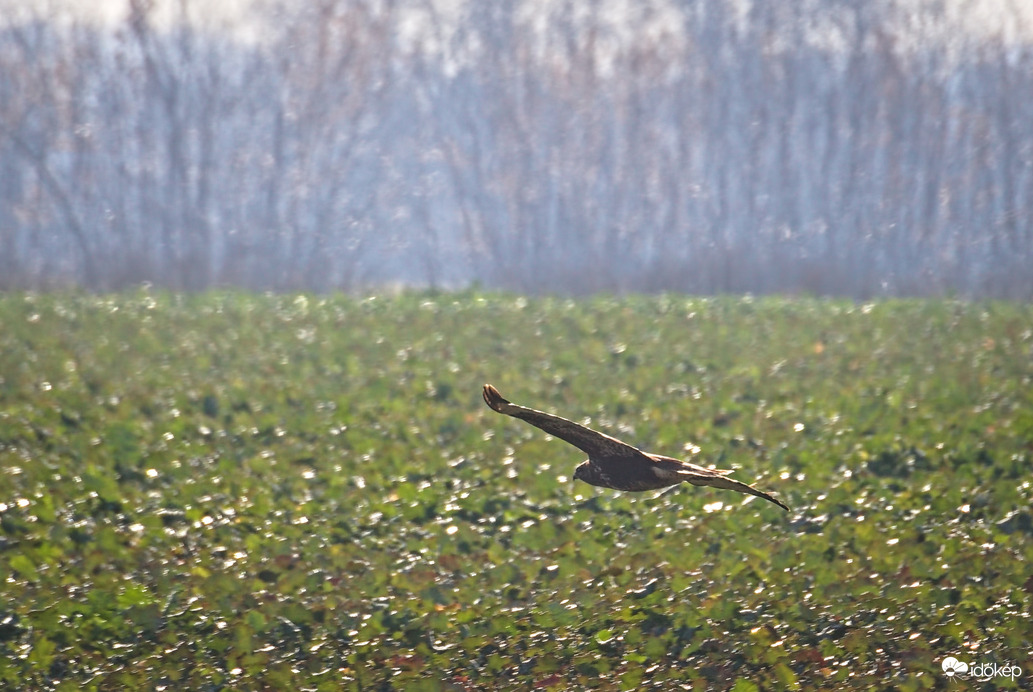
x: 848, y: 147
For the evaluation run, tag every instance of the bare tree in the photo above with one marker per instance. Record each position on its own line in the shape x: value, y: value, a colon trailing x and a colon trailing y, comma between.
x: 849, y: 147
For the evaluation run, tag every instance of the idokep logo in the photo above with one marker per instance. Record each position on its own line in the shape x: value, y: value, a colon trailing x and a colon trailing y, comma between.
x: 953, y: 667
x: 982, y: 672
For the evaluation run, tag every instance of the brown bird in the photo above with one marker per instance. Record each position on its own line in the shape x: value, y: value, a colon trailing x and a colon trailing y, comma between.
x: 615, y: 464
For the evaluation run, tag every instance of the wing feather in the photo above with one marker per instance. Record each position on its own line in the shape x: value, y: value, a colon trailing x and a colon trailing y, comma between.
x: 715, y: 478
x: 593, y: 443
x: 738, y: 486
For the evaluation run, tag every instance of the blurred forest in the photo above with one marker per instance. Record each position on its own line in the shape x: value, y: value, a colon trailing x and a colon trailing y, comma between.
x: 848, y: 147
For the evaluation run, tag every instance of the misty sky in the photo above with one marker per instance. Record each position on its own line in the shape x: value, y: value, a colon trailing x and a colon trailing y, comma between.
x: 1005, y: 18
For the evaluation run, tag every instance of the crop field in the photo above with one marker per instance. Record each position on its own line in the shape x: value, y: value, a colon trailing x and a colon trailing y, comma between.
x: 233, y: 491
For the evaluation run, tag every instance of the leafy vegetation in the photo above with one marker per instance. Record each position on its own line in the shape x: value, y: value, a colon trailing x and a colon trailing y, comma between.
x: 230, y: 491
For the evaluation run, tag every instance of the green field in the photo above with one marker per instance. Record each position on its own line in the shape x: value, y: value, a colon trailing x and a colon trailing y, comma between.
x: 229, y: 491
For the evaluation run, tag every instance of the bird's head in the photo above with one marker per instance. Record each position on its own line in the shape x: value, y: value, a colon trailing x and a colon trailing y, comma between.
x: 584, y: 472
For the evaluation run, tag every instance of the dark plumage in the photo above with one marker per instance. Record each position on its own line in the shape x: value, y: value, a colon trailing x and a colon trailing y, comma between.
x: 615, y: 464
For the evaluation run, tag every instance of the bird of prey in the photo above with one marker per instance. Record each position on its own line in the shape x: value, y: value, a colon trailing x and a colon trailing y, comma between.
x: 615, y: 464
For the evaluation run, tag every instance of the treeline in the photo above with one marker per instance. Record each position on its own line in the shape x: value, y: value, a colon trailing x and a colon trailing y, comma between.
x: 856, y: 148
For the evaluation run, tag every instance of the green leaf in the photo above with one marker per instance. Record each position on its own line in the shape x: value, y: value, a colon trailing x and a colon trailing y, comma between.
x: 42, y: 654
x: 744, y: 685
x: 23, y: 566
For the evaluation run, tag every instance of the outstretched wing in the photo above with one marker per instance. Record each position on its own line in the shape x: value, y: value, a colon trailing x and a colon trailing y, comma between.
x: 594, y: 444
x: 675, y: 469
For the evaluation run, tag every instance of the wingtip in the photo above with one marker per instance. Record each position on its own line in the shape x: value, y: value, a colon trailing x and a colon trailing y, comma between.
x: 492, y: 398
x: 774, y: 500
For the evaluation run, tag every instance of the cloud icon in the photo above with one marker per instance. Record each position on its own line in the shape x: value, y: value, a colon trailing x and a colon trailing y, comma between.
x: 952, y: 666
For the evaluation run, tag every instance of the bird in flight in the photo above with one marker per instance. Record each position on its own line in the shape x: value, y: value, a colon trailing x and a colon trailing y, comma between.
x: 615, y: 464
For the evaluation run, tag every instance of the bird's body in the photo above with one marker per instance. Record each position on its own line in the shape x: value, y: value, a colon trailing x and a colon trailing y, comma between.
x: 618, y: 465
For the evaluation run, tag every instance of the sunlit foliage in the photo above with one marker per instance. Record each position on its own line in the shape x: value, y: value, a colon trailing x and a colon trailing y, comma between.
x: 289, y: 492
